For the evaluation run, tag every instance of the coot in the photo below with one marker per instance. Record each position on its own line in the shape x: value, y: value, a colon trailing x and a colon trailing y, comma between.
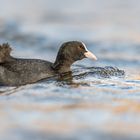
x: 17, y: 71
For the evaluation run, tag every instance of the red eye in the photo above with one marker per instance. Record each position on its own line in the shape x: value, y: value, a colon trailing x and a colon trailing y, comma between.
x: 81, y: 47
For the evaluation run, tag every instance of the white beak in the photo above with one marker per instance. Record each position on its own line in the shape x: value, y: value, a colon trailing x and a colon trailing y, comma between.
x: 90, y: 55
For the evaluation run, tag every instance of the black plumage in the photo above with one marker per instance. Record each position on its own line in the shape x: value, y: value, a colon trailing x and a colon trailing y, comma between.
x: 17, y: 71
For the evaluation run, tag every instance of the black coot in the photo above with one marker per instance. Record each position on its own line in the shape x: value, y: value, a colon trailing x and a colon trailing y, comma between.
x: 17, y: 71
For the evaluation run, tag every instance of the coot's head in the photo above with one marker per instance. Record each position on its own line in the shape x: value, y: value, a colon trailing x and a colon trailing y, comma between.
x: 70, y: 52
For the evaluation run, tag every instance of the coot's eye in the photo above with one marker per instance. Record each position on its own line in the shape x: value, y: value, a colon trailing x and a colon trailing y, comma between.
x: 80, y: 46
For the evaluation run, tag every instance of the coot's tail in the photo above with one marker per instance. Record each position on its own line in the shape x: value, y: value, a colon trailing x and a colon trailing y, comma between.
x: 5, y: 50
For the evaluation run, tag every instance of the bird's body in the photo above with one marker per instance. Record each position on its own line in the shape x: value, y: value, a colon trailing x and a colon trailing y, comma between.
x: 23, y: 71
x: 16, y: 71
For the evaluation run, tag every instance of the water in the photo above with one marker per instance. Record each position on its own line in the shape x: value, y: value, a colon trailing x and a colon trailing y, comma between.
x: 90, y: 104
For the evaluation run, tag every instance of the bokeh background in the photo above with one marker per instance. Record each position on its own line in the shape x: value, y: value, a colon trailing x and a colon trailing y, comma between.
x: 111, y: 20
x: 90, y: 107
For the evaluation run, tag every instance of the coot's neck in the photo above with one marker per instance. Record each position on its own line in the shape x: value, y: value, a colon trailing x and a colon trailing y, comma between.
x: 62, y: 66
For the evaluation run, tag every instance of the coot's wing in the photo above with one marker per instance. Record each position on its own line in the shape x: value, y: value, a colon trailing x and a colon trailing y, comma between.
x: 5, y: 50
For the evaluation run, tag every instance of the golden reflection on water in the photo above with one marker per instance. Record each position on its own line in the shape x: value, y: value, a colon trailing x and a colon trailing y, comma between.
x: 118, y: 121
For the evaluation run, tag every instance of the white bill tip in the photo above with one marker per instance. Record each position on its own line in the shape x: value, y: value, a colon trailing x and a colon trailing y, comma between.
x: 90, y: 55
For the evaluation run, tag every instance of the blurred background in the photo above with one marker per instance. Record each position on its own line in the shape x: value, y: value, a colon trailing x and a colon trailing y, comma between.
x: 112, y: 20
x: 90, y: 108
